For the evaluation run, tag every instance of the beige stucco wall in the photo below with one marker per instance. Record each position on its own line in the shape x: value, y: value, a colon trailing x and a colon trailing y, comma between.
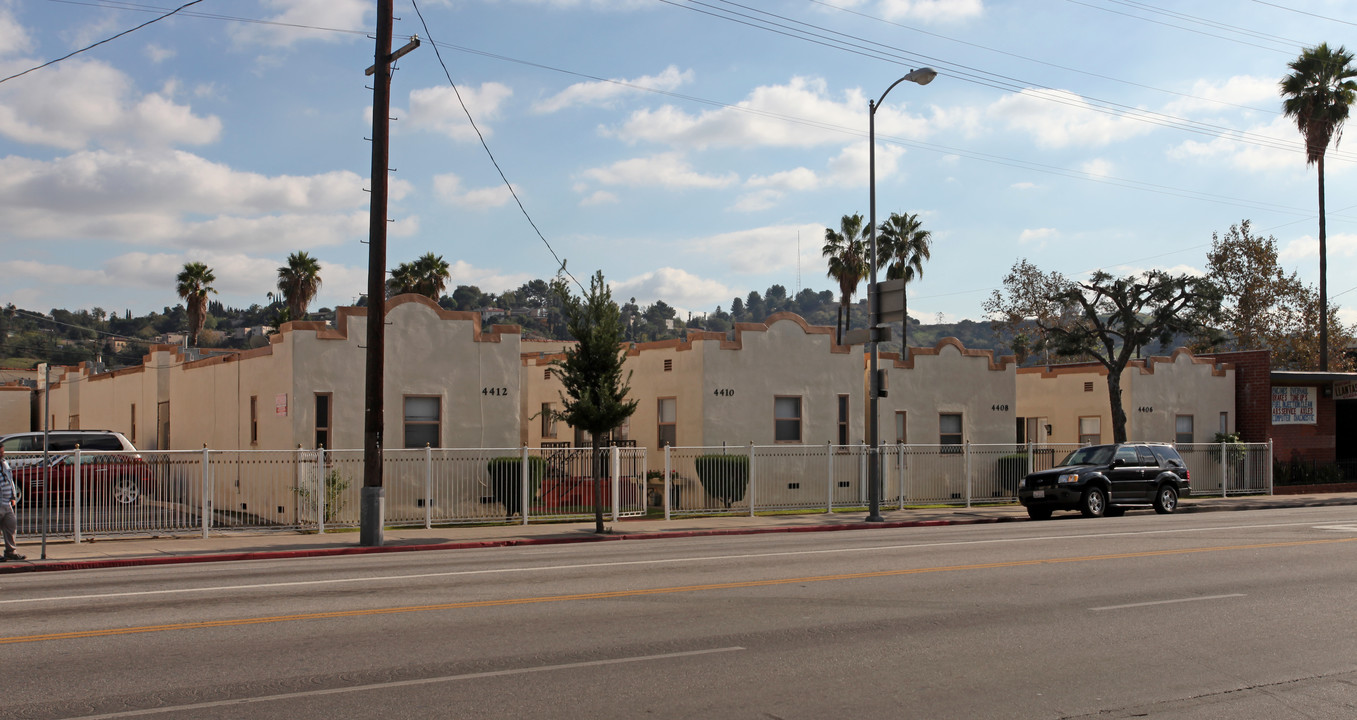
x: 1154, y: 392
x: 16, y: 408
x: 949, y: 378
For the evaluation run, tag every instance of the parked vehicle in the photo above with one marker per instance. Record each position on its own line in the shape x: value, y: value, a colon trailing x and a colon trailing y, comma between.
x: 1107, y: 479
x: 111, y: 470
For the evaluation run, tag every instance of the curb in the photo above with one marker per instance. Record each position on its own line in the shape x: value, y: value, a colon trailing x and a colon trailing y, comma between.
x: 32, y: 566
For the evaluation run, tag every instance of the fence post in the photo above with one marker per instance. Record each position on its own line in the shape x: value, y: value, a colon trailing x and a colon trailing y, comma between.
x: 77, y: 487
x: 1269, y: 466
x: 207, y: 489
x: 525, y: 474
x: 428, y: 487
x: 900, y: 463
x: 668, y: 481
x: 752, y: 476
x: 1224, y: 472
x: 829, y: 480
x: 968, y: 473
x: 615, y: 463
x: 324, y: 483
x: 862, y: 473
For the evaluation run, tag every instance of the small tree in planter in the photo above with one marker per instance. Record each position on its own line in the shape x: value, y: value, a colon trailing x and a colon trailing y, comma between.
x: 335, y: 487
x: 724, y: 477
x: 595, y: 397
x: 506, y: 481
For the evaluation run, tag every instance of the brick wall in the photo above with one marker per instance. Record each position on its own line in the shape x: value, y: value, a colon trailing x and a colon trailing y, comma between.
x: 1309, y: 442
x: 1253, y: 392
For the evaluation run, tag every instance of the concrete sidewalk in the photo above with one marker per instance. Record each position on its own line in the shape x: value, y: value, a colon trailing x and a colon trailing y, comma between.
x: 224, y: 546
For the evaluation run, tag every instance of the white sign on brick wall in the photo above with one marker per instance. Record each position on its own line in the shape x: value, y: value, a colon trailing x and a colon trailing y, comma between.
x: 1294, y: 405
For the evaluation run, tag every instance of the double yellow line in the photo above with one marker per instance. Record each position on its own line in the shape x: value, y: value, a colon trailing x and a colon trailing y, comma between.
x: 640, y: 593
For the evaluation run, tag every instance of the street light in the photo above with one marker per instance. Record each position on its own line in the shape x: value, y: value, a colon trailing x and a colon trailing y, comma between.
x: 922, y: 76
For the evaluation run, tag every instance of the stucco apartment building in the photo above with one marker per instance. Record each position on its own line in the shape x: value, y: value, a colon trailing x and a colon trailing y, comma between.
x: 448, y: 383
x: 1179, y: 398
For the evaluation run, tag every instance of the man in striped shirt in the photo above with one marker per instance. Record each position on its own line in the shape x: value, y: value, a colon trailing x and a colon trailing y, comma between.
x: 9, y: 522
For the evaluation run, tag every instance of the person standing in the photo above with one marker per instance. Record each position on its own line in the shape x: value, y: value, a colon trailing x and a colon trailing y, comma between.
x: 9, y: 497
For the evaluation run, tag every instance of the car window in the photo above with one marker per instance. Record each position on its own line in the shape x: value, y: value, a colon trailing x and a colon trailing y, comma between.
x: 1167, y: 455
x: 22, y: 443
x: 62, y: 442
x: 1127, y: 455
x: 101, y: 442
x: 1091, y: 455
x: 1146, y: 457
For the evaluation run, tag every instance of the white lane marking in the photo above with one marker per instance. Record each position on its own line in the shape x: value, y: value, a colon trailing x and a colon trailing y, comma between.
x: 1337, y: 528
x: 403, y: 683
x: 1167, y: 602
x: 624, y: 563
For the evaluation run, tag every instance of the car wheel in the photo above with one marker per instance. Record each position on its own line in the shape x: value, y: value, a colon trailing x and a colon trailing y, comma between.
x: 1037, y: 513
x: 1166, y: 500
x: 1115, y: 511
x: 126, y: 491
x: 1093, y: 503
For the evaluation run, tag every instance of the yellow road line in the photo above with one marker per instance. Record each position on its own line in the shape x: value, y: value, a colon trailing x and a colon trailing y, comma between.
x: 651, y: 591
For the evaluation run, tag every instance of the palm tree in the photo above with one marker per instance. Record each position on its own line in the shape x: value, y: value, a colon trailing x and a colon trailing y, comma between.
x: 903, y: 251
x: 1318, y: 93
x: 194, y: 285
x: 847, y: 255
x: 428, y: 276
x: 298, y: 283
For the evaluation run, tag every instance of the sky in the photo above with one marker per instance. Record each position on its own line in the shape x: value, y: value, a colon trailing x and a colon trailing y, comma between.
x: 690, y: 151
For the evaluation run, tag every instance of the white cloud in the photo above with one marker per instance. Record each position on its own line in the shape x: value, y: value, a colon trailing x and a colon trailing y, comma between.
x: 1249, y: 156
x: 676, y: 287
x: 758, y: 200
x: 79, y: 103
x: 14, y: 38
x: 1097, y: 167
x: 665, y: 170
x: 852, y: 167
x: 604, y: 92
x: 1038, y: 237
x: 1306, y: 248
x: 931, y: 10
x: 1209, y: 97
x: 1058, y: 118
x: 174, y: 198
x: 820, y: 120
x: 437, y: 109
x: 490, y: 281
x: 159, y: 54
x: 293, y: 17
x: 449, y: 188
x: 800, y: 179
x: 1024, y: 186
x: 762, y: 250
x: 599, y: 197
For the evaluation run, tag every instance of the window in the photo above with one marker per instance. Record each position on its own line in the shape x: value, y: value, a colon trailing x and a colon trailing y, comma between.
x: 254, y: 419
x: 843, y: 419
x: 548, y: 421
x: 1225, y: 423
x: 1090, y: 430
x: 1127, y: 455
x: 132, y: 436
x: 323, y: 420
x: 787, y: 419
x: 667, y: 421
x: 422, y: 414
x: 1183, y: 429
x: 1146, y: 457
x: 900, y: 426
x: 949, y: 429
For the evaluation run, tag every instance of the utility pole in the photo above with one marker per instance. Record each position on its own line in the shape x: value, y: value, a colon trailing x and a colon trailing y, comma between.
x: 373, y: 504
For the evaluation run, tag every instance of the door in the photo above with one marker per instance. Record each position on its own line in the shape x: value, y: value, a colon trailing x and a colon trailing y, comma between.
x: 1126, y: 475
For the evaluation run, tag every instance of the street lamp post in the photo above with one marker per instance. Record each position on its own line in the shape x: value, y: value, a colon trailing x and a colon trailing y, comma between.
x: 922, y: 76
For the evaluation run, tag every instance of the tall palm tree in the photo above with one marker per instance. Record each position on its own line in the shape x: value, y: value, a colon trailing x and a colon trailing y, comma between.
x: 194, y: 285
x: 903, y: 249
x: 1318, y: 93
x: 428, y: 275
x: 847, y: 254
x: 298, y: 283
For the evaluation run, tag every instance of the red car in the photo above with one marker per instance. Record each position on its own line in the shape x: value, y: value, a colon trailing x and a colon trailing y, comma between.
x: 106, y: 479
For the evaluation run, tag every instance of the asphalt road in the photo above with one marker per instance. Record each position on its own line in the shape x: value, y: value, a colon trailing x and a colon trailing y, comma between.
x: 1238, y: 615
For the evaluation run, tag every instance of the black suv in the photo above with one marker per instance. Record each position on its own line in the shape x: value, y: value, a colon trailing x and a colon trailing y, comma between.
x: 1106, y: 479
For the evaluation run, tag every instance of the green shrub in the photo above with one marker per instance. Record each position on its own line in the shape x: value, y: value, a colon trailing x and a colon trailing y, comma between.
x: 1305, y: 472
x: 506, y: 485
x: 1234, y: 449
x: 335, y: 485
x: 1009, y: 470
x: 724, y: 477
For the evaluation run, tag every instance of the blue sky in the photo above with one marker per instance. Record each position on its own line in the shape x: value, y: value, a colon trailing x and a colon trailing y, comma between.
x: 692, y: 151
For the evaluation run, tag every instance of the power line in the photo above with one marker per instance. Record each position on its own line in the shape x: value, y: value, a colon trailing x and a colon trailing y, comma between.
x: 559, y: 262
x: 101, y: 42
x: 1302, y: 12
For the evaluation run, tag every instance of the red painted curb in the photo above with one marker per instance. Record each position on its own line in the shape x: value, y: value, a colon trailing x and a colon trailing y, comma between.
x: 64, y: 565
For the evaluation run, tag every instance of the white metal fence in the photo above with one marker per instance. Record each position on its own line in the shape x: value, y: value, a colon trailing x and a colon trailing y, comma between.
x: 200, y: 492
